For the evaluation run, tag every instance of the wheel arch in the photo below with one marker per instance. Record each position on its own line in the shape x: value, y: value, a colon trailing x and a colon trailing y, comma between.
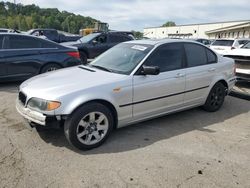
x: 106, y: 103
x: 224, y: 83
x: 49, y: 63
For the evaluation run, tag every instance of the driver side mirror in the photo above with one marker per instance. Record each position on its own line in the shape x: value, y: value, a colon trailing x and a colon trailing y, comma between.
x: 94, y: 42
x: 150, y: 70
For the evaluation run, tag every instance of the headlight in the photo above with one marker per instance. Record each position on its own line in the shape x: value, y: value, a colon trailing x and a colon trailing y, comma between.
x: 43, y: 105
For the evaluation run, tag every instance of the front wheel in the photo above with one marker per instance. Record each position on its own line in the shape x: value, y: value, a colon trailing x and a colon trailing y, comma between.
x: 89, y: 126
x: 215, y: 98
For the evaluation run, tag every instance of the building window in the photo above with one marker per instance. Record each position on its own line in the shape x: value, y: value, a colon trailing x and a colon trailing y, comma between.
x: 162, y: 32
x: 244, y: 32
x: 152, y: 33
x: 177, y: 32
x: 195, y: 31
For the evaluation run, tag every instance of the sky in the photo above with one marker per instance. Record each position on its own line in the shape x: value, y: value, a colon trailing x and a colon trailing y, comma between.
x: 139, y: 14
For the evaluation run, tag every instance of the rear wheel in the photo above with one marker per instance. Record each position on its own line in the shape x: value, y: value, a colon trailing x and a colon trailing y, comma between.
x: 50, y: 67
x: 215, y: 98
x: 89, y: 126
x: 83, y: 57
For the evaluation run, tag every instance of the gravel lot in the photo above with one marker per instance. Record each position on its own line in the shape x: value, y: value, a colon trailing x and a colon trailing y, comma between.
x: 188, y: 149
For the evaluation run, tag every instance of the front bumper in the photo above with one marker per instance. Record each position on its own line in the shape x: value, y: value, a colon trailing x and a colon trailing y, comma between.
x: 243, y: 74
x: 30, y: 115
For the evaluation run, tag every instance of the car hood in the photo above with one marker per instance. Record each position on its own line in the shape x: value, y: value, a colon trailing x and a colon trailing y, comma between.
x: 59, y: 83
x: 239, y: 52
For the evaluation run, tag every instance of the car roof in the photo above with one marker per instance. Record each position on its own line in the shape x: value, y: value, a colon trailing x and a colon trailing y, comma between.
x: 156, y: 42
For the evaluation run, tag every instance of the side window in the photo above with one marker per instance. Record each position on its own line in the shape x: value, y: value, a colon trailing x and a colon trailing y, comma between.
x: 1, y: 42
x: 211, y: 57
x: 196, y: 55
x: 116, y: 38
x: 101, y: 39
x: 126, y: 38
x: 47, y: 44
x: 21, y: 42
x: 167, y: 57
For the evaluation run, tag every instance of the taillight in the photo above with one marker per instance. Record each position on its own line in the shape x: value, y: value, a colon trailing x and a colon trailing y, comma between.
x: 74, y: 54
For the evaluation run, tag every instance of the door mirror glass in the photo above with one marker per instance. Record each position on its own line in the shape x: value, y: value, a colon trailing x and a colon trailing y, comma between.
x: 94, y: 42
x: 150, y: 70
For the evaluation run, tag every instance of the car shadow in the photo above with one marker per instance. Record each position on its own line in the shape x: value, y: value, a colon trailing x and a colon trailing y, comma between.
x: 11, y: 87
x: 147, y: 133
x: 241, y: 90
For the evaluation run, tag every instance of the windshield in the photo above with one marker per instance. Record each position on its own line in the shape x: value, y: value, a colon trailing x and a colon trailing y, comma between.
x: 246, y: 46
x: 89, y: 37
x: 223, y: 43
x: 122, y: 58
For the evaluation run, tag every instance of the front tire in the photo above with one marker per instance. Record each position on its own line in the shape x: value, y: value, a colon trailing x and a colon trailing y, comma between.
x: 215, y: 98
x: 89, y: 126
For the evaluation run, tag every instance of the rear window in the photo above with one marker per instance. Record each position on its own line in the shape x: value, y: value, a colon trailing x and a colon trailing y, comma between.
x: 223, y: 43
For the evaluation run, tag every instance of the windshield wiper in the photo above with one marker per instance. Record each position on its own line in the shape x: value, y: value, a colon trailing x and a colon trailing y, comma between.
x: 101, y: 68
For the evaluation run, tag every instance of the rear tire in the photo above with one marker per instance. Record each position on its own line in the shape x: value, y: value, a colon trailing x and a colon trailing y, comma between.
x: 89, y: 126
x: 84, y: 57
x: 215, y: 98
x: 50, y: 67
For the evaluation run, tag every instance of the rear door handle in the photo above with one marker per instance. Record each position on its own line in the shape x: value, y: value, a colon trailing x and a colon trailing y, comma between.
x: 179, y: 75
x: 211, y: 69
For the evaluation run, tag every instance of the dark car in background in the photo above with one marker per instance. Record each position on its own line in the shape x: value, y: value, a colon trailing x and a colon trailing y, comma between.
x: 23, y: 56
x: 54, y: 35
x: 94, y: 44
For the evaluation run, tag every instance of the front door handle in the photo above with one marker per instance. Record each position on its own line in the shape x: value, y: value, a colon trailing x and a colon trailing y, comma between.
x: 211, y: 69
x: 179, y: 75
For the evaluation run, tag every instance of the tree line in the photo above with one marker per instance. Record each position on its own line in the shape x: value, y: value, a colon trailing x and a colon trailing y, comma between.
x: 25, y: 17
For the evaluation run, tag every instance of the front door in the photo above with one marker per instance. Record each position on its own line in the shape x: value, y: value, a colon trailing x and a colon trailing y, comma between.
x: 159, y: 94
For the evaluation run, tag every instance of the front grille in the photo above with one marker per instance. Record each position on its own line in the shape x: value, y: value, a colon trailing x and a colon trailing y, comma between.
x: 22, y: 97
x: 241, y: 62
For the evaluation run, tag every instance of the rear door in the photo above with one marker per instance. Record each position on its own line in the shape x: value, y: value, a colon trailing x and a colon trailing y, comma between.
x: 201, y: 69
x: 21, y: 55
x: 155, y: 94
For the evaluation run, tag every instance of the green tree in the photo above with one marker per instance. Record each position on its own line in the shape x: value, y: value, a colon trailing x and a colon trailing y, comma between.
x: 25, y: 17
x: 138, y: 34
x: 169, y: 24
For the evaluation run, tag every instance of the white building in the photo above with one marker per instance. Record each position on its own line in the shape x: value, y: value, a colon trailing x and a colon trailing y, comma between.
x: 230, y: 29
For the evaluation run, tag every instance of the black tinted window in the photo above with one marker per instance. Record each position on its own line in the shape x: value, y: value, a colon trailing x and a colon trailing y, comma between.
x: 47, y: 44
x: 1, y: 42
x: 167, y: 57
x: 211, y: 57
x: 196, y: 55
x: 116, y: 38
x: 20, y: 42
x: 101, y: 39
x: 223, y: 43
